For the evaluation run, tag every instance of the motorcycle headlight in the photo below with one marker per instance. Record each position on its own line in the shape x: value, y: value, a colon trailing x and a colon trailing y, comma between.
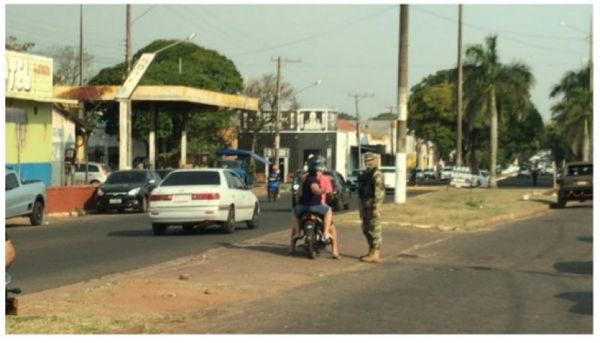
x: 100, y: 192
x: 296, y: 187
x: 134, y: 191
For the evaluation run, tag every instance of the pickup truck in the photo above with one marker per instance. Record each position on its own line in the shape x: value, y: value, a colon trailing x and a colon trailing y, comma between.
x: 24, y: 198
x: 577, y: 183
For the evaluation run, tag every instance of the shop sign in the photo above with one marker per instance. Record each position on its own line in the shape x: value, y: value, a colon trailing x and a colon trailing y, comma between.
x: 27, y: 76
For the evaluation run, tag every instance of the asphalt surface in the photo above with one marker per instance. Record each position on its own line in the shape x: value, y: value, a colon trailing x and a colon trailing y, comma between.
x: 71, y: 250
x: 533, y: 276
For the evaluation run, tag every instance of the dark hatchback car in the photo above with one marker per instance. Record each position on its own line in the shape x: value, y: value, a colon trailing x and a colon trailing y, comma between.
x: 127, y: 189
x: 576, y: 183
x: 341, y: 196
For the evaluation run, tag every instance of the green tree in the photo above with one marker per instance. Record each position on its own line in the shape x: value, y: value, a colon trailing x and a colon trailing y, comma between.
x: 346, y: 116
x: 490, y: 81
x: 431, y: 106
x: 201, y: 68
x: 573, y: 113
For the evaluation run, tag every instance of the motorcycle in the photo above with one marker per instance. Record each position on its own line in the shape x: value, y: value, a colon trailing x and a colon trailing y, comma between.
x: 11, y: 303
x: 311, y: 230
x: 273, y: 187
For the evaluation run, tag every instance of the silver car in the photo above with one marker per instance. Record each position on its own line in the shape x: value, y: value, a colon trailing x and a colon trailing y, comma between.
x: 97, y: 173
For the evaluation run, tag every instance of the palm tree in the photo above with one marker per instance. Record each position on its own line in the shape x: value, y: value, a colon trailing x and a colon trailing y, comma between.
x: 574, y: 112
x: 491, y: 83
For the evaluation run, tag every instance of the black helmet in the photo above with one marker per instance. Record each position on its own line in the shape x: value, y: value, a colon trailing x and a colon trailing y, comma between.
x: 316, y: 160
x: 316, y: 166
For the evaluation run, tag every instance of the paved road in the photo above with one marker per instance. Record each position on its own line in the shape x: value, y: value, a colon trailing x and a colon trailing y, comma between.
x: 533, y: 276
x: 72, y: 250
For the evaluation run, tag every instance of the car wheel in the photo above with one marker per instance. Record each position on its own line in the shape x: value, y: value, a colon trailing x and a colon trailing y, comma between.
x: 338, y: 205
x: 143, y: 205
x: 229, y: 224
x: 159, y: 229
x: 37, y: 213
x: 95, y: 183
x: 253, y: 223
x: 101, y: 209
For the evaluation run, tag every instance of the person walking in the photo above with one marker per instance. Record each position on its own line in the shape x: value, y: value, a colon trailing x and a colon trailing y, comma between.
x: 371, y: 191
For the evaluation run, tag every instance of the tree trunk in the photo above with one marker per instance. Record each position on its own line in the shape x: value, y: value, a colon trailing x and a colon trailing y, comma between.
x: 493, y: 138
x: 586, y: 141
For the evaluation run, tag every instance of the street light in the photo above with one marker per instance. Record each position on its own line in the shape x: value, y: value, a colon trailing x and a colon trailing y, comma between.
x: 124, y: 97
x: 188, y: 39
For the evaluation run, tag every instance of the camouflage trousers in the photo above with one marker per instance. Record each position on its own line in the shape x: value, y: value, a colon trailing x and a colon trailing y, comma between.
x: 371, y: 227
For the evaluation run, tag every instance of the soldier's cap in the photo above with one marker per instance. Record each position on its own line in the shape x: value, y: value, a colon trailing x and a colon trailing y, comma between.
x: 368, y: 156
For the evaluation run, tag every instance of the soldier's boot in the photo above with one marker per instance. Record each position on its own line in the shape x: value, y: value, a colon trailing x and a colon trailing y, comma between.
x: 373, y: 258
x: 370, y: 253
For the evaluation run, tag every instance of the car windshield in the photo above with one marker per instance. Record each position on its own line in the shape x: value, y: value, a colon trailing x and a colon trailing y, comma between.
x: 357, y: 172
x: 192, y: 178
x: 585, y: 169
x: 126, y: 177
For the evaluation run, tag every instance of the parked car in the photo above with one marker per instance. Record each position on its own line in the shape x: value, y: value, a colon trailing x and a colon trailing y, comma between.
x: 339, y: 199
x: 127, y: 189
x: 389, y: 176
x: 341, y: 196
x: 576, y: 183
x: 353, y: 178
x: 446, y: 173
x: 524, y: 171
x: 24, y: 198
x: 189, y: 197
x: 429, y: 174
x: 97, y: 173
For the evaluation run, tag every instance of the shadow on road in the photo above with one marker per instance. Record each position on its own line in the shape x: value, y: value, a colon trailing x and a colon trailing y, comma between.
x: 275, y: 249
x: 583, y: 302
x: 588, y: 239
x: 575, y: 267
x: 175, y: 231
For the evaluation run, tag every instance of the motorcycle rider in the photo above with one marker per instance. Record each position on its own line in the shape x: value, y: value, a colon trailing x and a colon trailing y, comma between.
x: 312, y: 199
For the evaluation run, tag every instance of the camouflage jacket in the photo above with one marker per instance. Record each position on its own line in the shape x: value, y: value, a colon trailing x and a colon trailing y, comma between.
x: 376, y: 201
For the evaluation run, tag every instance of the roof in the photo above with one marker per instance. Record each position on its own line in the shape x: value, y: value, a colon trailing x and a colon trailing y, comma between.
x: 163, y: 93
x: 345, y: 125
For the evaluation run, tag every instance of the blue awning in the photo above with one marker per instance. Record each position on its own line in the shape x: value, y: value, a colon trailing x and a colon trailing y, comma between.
x: 243, y: 153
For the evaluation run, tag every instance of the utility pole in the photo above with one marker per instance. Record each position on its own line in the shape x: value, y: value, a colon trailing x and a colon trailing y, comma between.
x: 81, y: 105
x: 358, y: 145
x: 400, y: 191
x: 128, y: 39
x: 459, y: 90
x: 277, y: 107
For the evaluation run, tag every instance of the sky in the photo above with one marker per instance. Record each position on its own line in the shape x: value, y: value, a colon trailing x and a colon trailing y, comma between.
x: 351, y: 47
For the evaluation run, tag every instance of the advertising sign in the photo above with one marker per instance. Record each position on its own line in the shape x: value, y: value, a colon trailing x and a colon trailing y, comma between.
x: 27, y: 76
x: 135, y: 76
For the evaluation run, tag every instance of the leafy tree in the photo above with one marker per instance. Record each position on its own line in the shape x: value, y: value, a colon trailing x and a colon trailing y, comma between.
x: 346, y: 116
x: 265, y: 89
x: 66, y: 64
x: 386, y: 116
x: 490, y: 81
x: 573, y: 113
x: 202, y: 68
x: 431, y: 106
x: 12, y: 43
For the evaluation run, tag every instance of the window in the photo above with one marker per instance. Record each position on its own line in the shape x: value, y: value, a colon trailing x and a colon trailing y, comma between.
x: 11, y: 181
x: 586, y: 169
x: 192, y: 178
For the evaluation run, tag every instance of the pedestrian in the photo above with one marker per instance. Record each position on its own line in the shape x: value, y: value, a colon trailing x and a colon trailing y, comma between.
x: 371, y: 191
x: 534, y: 176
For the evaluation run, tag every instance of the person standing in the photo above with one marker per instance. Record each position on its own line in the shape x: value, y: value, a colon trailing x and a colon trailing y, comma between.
x: 371, y: 191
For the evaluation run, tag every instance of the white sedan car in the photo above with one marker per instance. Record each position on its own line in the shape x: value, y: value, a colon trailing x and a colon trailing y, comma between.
x: 188, y: 197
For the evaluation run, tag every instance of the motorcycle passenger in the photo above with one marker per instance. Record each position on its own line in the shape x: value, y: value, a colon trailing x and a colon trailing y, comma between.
x: 311, y: 201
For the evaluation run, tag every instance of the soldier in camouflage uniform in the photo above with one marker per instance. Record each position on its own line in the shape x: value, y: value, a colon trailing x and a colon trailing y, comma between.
x: 371, y: 191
